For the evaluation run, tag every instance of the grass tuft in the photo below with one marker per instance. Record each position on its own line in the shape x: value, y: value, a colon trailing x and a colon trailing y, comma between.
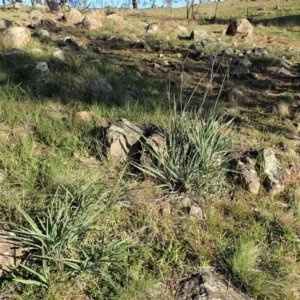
x: 194, y: 155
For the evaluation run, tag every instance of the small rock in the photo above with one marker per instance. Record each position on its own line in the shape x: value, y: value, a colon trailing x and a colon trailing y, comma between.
x: 59, y: 54
x: 123, y: 140
x: 152, y: 28
x: 91, y: 23
x: 44, y: 34
x: 10, y: 254
x: 198, y: 35
x: 282, y: 72
x: 181, y: 29
x: 73, y: 16
x: 42, y: 67
x: 273, y: 172
x: 254, y: 75
x: 228, y: 52
x: 260, y: 52
x: 249, y: 176
x: 196, y: 212
x: 15, y: 36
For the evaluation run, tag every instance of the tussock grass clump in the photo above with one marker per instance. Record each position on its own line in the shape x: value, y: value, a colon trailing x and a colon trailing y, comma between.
x: 194, y: 156
x: 66, y: 241
x: 243, y: 265
x: 283, y: 109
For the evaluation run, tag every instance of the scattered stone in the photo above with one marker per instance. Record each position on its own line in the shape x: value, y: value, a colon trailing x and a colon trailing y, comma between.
x: 116, y: 18
x: 10, y: 253
x: 152, y: 28
x: 181, y: 29
x: 157, y: 141
x: 249, y: 177
x: 36, y: 15
x: 44, y: 34
x: 123, y: 140
x: 73, y: 17
x: 42, y: 68
x: 91, y: 23
x: 273, y: 172
x: 198, y: 35
x: 15, y: 36
x: 241, y: 27
x: 260, y: 52
x: 196, y: 212
x: 254, y: 75
x: 156, y: 66
x: 59, y: 54
x: 239, y: 53
x: 284, y: 64
x: 228, y: 52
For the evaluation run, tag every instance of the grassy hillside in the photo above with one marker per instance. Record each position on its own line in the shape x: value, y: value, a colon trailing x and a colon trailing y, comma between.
x: 98, y: 230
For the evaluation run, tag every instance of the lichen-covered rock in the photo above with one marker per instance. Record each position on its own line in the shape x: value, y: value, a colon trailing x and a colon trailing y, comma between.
x: 10, y: 253
x: 273, y: 172
x: 123, y: 140
x: 249, y: 177
x: 73, y: 16
x: 15, y: 36
x: 241, y: 27
x: 198, y: 35
x: 91, y: 23
x: 152, y: 28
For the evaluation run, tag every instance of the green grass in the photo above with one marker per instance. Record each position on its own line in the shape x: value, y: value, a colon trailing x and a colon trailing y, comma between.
x: 89, y: 228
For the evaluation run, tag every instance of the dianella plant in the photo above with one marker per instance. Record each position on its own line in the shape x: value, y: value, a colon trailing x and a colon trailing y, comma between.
x: 194, y: 157
x: 67, y: 239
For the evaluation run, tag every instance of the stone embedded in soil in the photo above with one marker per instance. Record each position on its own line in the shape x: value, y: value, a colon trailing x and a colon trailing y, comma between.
x: 273, y: 172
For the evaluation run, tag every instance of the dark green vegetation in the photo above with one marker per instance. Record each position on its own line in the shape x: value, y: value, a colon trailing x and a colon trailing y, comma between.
x: 95, y: 231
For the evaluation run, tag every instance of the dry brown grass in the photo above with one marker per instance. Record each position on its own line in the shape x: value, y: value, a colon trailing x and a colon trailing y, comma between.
x: 283, y: 109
